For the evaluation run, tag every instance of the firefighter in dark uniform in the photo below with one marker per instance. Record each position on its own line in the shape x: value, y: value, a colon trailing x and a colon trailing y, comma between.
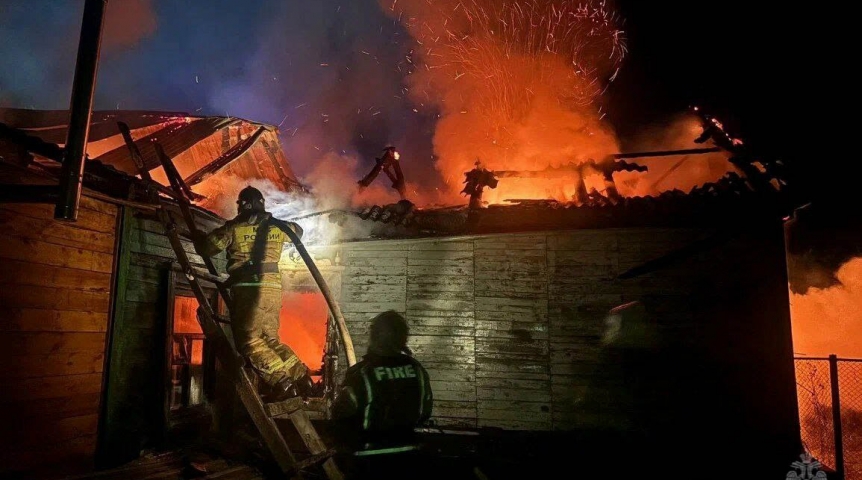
x: 476, y: 180
x: 255, y: 286
x: 380, y: 402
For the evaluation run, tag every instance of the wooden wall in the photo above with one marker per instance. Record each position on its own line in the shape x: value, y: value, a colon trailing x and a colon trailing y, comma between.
x: 55, y: 295
x: 134, y: 407
x: 512, y: 328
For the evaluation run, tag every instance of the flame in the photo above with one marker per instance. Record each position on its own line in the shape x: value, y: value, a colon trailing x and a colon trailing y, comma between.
x: 186, y: 321
x: 518, y: 86
x: 829, y: 320
x: 303, y: 326
x: 515, y: 83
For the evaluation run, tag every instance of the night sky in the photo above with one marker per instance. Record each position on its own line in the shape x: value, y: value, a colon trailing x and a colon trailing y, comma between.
x: 261, y: 60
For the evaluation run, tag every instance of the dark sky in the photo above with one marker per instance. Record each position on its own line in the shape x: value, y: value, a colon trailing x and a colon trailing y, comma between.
x: 746, y: 63
x: 262, y: 59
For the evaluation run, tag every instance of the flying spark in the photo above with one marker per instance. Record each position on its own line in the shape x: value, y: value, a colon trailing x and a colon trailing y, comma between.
x: 587, y: 35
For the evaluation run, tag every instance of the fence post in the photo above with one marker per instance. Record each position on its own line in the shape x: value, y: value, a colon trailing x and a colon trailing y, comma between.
x: 836, y: 416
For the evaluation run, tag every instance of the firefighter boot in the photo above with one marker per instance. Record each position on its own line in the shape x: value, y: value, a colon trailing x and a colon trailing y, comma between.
x: 307, y: 388
x: 284, y: 389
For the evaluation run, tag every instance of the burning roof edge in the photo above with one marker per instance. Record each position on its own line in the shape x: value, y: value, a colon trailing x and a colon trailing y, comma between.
x: 718, y: 204
x: 51, y: 125
x: 101, y: 181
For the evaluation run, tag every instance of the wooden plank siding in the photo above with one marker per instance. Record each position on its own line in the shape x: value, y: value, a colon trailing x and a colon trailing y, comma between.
x: 55, y: 297
x: 515, y: 330
x: 443, y: 326
x: 135, y: 394
x: 508, y: 323
x: 512, y: 348
x: 478, y: 319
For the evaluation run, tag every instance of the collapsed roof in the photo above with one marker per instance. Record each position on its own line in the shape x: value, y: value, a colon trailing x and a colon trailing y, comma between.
x: 717, y: 204
x: 203, y: 148
x: 207, y: 147
x: 757, y: 195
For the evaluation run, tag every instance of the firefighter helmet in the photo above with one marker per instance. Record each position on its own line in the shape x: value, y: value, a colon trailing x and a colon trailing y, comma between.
x: 388, y: 332
x: 250, y: 198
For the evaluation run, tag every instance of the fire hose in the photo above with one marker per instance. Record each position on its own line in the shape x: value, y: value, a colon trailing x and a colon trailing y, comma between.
x: 327, y: 294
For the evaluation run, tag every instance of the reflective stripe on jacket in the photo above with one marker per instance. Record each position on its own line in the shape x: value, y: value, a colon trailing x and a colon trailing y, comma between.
x: 239, y: 238
x: 384, y: 398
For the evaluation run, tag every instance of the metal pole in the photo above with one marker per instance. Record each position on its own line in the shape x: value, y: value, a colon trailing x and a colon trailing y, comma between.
x: 80, y: 111
x: 665, y: 153
x: 836, y: 417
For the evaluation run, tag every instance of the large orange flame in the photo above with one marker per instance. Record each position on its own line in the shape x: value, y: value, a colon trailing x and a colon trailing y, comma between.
x: 303, y: 326
x: 829, y: 320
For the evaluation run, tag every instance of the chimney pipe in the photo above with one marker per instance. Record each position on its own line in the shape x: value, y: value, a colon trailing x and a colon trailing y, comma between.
x: 80, y: 111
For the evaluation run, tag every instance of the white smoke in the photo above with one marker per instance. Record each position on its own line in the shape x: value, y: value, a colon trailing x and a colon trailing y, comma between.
x: 332, y: 190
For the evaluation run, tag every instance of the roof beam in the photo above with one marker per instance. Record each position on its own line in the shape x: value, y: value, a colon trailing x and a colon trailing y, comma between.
x: 225, y: 159
x: 175, y: 139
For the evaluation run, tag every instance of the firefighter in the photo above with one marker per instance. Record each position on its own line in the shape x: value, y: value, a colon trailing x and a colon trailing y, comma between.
x: 255, y: 286
x: 381, y: 400
x: 476, y: 180
x: 389, y: 164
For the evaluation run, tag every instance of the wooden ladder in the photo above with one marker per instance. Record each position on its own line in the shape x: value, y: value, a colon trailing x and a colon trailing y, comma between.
x: 263, y: 415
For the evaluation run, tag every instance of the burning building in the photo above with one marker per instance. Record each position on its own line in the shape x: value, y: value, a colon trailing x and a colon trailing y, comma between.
x: 649, y: 324
x: 104, y: 354
x: 577, y: 303
x: 665, y: 316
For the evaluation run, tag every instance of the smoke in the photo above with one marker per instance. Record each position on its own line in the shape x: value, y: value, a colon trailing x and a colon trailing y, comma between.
x: 515, y: 83
x: 39, y: 43
x: 332, y: 186
x: 829, y: 320
x: 333, y: 182
x: 126, y: 23
x: 327, y: 72
x: 674, y: 172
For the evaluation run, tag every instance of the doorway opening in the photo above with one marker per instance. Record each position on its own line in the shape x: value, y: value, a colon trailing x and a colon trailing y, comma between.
x: 304, y: 316
x: 187, y: 355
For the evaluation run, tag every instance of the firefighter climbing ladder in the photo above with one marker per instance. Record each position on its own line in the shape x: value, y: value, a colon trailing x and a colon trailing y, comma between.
x: 263, y: 415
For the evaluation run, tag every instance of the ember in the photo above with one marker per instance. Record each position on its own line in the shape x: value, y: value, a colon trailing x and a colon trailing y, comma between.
x: 517, y: 85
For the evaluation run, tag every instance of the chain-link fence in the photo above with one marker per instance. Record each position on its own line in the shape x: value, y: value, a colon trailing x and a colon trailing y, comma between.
x: 850, y: 386
x: 820, y: 381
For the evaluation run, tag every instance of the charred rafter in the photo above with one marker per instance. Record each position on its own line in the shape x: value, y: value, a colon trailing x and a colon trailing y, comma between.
x: 225, y: 159
x: 31, y: 143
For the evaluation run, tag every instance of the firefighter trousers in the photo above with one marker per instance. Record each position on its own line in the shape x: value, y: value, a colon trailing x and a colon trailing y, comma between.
x: 254, y: 323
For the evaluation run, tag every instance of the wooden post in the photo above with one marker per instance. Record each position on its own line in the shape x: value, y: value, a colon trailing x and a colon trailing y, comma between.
x: 113, y: 346
x: 80, y: 112
x: 836, y: 416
